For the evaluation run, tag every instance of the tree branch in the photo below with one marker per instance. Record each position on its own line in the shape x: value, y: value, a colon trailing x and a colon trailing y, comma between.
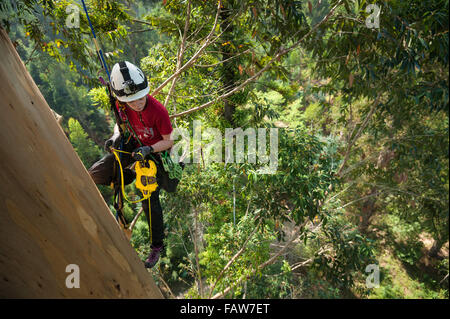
x: 141, y: 21
x: 239, y: 253
x: 180, y: 56
x: 261, y: 266
x: 304, y: 263
x: 276, y: 58
x: 223, y: 61
x: 135, y: 219
x: 208, y: 41
x: 31, y: 54
x: 361, y: 129
x: 197, y: 261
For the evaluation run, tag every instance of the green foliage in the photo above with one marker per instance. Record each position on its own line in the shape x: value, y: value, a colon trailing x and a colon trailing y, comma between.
x: 275, y: 281
x: 85, y: 148
x: 261, y: 107
x: 349, y: 253
x: 20, y: 11
x: 306, y: 171
x: 405, y: 63
x: 395, y: 284
x: 140, y: 238
x: 410, y: 252
x: 100, y: 98
x: 320, y: 93
x: 46, y: 25
x: 225, y: 243
x: 312, y: 112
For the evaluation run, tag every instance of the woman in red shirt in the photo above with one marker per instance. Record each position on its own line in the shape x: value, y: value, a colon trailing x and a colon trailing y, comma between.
x: 148, y: 124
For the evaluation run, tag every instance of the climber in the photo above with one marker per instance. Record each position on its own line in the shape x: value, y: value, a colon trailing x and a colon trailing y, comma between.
x: 147, y: 134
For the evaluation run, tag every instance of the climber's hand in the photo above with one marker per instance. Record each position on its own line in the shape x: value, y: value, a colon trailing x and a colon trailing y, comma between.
x: 142, y: 153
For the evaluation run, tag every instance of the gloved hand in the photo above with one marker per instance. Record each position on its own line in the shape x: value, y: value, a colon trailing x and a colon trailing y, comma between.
x: 113, y: 141
x: 142, y: 153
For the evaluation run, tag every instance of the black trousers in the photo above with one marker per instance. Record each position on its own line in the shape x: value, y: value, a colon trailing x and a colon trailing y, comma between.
x: 102, y: 172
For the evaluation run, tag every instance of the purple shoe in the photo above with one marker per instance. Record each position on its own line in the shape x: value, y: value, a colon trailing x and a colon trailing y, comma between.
x: 153, y: 257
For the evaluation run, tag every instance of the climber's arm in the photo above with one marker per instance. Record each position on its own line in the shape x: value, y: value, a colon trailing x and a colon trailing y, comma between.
x: 164, y: 144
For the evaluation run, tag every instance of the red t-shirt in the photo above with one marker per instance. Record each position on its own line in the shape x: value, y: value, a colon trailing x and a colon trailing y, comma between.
x: 149, y: 124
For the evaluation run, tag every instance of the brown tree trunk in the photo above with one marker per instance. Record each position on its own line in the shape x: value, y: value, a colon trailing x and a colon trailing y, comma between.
x: 52, y: 214
x: 368, y: 210
x: 434, y: 250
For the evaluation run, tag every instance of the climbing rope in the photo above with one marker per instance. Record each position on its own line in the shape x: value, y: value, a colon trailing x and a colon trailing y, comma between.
x: 173, y: 169
x: 97, y: 47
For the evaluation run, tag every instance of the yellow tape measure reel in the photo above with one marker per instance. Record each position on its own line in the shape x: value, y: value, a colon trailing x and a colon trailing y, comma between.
x: 146, y: 177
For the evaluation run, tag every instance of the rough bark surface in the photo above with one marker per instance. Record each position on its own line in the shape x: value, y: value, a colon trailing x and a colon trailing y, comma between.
x: 52, y: 214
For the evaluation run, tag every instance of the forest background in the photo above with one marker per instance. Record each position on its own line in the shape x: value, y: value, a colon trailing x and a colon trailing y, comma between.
x: 359, y: 93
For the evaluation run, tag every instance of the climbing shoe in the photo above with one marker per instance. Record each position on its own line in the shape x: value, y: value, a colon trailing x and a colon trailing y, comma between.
x: 153, y: 257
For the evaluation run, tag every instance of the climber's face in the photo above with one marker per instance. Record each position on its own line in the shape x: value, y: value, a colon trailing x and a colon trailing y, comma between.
x: 138, y: 105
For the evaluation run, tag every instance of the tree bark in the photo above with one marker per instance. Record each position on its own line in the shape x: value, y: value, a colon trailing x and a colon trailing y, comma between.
x: 434, y: 250
x: 368, y: 210
x: 52, y: 214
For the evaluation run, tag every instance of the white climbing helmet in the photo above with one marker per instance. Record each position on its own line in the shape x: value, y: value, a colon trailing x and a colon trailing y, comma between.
x: 128, y: 82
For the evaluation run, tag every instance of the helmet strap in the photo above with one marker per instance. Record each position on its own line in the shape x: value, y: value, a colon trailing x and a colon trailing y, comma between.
x: 125, y: 72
